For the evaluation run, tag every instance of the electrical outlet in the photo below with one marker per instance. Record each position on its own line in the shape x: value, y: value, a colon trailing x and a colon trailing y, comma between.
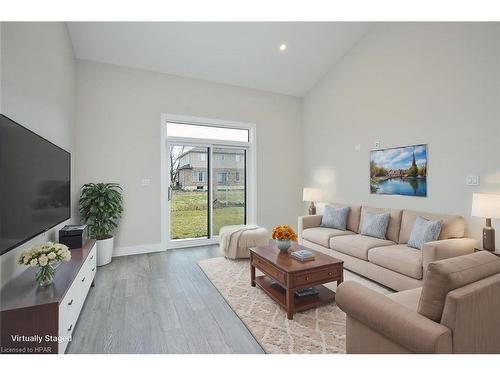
x: 376, y: 145
x: 472, y: 180
x: 145, y: 182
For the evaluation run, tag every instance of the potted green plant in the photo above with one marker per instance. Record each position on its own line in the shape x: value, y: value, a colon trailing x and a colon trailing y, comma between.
x: 101, y: 206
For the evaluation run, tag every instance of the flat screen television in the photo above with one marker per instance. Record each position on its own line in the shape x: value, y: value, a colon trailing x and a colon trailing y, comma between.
x: 34, y: 184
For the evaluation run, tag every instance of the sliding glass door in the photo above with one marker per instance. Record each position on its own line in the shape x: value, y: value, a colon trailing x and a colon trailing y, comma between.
x: 207, y: 189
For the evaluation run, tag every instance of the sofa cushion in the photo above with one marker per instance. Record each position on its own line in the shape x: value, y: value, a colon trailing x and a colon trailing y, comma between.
x: 424, y: 231
x: 446, y: 275
x: 399, y: 258
x: 321, y: 236
x: 353, y: 217
x: 335, y: 218
x: 375, y: 225
x: 453, y: 225
x: 357, y: 245
x: 394, y: 223
x: 408, y: 298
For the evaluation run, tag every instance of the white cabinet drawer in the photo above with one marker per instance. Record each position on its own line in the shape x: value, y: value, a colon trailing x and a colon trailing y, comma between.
x: 71, y: 305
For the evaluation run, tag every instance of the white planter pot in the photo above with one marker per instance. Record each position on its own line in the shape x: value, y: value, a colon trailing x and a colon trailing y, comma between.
x: 104, y: 251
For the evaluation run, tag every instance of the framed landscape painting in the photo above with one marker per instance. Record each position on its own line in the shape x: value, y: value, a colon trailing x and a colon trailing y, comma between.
x: 399, y: 170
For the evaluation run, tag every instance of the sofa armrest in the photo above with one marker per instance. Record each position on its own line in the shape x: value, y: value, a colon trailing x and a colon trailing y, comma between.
x: 394, y: 321
x: 308, y: 221
x: 444, y: 249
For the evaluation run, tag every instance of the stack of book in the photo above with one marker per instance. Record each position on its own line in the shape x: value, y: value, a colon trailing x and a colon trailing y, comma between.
x: 306, y: 292
x: 303, y: 255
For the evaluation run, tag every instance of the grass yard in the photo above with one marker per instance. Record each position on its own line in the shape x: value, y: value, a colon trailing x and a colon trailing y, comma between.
x: 189, y: 212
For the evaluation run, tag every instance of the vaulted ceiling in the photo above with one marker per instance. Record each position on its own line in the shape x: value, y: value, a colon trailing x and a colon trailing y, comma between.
x: 245, y: 54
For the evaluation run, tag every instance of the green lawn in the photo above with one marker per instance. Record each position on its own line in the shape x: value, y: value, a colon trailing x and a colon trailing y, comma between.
x: 189, y: 212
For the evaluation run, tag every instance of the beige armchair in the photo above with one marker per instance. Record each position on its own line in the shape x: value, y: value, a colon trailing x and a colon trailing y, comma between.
x: 455, y: 311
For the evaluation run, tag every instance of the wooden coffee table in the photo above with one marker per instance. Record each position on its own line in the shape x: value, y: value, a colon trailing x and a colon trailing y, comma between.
x: 291, y: 274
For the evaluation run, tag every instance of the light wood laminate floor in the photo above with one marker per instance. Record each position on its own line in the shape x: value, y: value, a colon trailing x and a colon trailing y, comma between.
x: 159, y: 303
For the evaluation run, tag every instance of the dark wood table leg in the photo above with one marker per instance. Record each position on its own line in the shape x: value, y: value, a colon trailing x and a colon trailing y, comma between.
x: 341, y: 279
x: 252, y: 274
x: 289, y: 303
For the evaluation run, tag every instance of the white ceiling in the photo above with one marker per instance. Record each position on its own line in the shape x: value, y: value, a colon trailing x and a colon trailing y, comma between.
x: 240, y: 54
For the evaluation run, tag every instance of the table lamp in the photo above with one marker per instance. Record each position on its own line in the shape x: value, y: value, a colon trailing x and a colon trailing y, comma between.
x: 487, y: 206
x: 312, y: 195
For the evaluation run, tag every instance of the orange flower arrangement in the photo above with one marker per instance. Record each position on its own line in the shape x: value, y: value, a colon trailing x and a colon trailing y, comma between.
x: 284, y: 232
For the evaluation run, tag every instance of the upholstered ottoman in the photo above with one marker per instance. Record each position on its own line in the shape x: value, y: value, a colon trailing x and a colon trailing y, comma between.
x: 236, y: 239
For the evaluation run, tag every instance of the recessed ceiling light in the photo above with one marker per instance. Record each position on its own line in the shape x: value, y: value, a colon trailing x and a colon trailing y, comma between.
x: 282, y: 47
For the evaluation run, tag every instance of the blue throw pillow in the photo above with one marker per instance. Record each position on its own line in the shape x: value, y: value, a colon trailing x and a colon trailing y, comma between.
x: 375, y: 225
x: 335, y: 218
x: 424, y: 231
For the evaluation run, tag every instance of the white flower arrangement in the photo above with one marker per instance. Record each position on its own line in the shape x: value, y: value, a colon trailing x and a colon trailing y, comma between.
x: 44, y: 255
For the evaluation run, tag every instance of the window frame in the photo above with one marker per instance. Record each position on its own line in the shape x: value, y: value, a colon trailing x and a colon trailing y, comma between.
x: 250, y: 160
x: 224, y: 179
x: 219, y: 126
x: 196, y: 176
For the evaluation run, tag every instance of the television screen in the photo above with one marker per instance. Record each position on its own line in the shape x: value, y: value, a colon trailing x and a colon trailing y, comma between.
x: 34, y: 184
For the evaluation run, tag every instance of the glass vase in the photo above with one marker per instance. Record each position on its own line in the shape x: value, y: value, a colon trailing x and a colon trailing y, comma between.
x: 45, y: 275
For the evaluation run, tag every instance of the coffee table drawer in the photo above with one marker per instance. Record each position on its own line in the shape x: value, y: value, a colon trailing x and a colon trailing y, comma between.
x: 316, y: 276
x: 269, y: 269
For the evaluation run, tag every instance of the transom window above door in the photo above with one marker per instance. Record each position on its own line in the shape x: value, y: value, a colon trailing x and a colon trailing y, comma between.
x: 207, y: 132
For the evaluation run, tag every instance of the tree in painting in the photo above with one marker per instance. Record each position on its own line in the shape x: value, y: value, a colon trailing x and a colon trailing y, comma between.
x: 401, y: 171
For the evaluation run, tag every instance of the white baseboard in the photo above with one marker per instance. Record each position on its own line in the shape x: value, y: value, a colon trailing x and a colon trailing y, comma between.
x: 138, y: 249
x: 154, y: 248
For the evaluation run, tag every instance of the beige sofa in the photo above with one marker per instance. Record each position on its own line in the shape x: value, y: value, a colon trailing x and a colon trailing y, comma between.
x: 389, y: 262
x: 455, y: 311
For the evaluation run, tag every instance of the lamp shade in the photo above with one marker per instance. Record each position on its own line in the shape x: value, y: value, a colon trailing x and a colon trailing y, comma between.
x: 312, y: 195
x: 486, y: 205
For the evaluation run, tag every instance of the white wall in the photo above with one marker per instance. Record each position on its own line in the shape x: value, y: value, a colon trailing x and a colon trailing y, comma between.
x: 118, y: 140
x: 410, y: 83
x: 38, y: 91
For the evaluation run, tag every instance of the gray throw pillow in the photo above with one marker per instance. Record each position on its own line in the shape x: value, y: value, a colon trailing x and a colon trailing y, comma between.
x: 375, y: 225
x: 424, y: 231
x: 335, y: 218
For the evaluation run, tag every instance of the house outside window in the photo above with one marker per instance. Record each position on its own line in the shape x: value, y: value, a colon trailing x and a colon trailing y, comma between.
x: 228, y: 166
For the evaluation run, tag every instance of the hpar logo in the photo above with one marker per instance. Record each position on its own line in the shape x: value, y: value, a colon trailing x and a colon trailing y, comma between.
x: 43, y: 349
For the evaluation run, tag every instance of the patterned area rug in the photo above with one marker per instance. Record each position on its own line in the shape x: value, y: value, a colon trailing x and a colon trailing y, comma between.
x: 319, y: 330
